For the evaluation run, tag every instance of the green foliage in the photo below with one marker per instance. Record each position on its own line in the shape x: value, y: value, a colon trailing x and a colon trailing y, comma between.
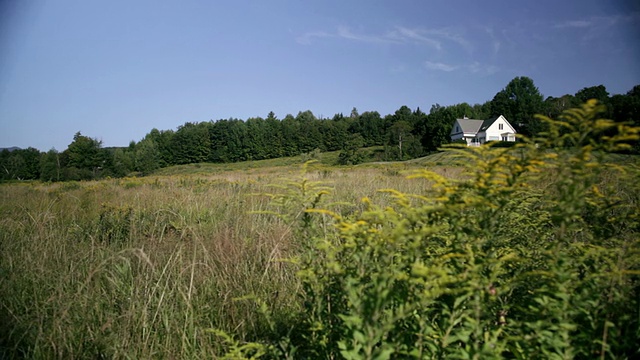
x: 146, y: 157
x: 310, y: 156
x: 84, y: 158
x: 503, y: 263
x: 124, y: 161
x: 406, y: 134
x: 114, y: 223
x: 519, y: 101
x: 20, y: 164
x: 436, y: 127
x: 294, y: 202
x: 400, y: 135
x: 164, y: 140
x: 599, y: 93
x: 191, y: 143
x: 50, y: 166
x: 234, y: 349
x: 351, y: 153
x: 554, y: 107
x: 371, y: 126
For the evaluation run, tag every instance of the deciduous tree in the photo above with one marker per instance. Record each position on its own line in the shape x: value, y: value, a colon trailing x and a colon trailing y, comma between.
x: 147, y: 156
x: 519, y: 101
x: 50, y: 168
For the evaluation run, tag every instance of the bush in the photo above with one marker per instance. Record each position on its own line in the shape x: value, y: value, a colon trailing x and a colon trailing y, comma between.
x: 312, y: 155
x: 534, y: 255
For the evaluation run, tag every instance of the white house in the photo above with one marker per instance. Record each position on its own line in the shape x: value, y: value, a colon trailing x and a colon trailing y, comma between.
x: 476, y: 132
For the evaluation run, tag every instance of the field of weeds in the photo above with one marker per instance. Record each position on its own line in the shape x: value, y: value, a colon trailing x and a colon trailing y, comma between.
x: 139, y: 267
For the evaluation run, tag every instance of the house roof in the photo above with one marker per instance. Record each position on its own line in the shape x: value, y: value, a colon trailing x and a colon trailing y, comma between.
x: 470, y: 125
x: 475, y: 127
x: 487, y: 123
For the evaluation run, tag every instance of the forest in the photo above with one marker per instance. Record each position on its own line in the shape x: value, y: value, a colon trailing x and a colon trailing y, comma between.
x: 405, y: 134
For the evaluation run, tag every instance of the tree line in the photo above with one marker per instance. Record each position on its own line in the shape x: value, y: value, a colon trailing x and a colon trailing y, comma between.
x: 402, y: 135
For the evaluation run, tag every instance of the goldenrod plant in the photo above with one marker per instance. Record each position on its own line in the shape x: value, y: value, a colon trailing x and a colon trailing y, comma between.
x: 533, y: 254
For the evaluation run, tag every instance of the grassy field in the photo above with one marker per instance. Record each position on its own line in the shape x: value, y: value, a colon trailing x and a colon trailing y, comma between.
x: 138, y: 267
x: 192, y: 262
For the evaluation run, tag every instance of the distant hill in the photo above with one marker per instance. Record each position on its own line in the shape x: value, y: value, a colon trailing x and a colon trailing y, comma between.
x: 10, y: 148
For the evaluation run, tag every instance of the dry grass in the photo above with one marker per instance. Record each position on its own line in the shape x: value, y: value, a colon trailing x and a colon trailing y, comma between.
x: 143, y: 267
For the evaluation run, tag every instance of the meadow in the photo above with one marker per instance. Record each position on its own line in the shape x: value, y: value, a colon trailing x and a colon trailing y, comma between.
x: 524, y: 252
x: 144, y: 266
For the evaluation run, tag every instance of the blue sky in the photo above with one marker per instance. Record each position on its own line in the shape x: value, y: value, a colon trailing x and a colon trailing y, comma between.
x: 116, y: 69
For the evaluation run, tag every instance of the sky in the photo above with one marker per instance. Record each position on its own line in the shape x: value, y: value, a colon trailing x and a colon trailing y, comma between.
x: 113, y: 70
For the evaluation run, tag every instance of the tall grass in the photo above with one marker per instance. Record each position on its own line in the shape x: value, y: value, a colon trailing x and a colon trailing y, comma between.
x: 146, y: 267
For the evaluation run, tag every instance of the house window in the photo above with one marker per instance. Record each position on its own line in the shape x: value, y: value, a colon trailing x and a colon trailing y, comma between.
x: 500, y: 126
x: 504, y: 138
x: 457, y: 129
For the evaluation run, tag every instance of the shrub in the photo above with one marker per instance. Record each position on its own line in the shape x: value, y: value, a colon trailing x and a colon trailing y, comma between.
x: 314, y: 154
x: 535, y: 254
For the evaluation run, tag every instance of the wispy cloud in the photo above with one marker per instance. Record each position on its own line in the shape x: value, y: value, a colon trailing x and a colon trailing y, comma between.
x: 434, y: 38
x: 307, y: 38
x: 599, y: 21
x: 346, y: 33
x: 496, y: 44
x: 440, y: 66
x: 451, y: 35
x: 481, y: 69
x: 599, y: 27
x: 573, y: 24
x: 474, y: 68
x: 404, y: 34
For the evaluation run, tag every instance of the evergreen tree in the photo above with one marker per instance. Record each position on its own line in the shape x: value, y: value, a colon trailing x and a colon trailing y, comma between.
x: 351, y: 153
x: 334, y: 133
x: 273, y: 136
x: 310, y: 136
x: 256, y: 140
x: 291, y: 135
x: 191, y: 143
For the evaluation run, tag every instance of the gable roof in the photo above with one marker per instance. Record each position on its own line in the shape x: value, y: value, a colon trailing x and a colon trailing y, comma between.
x: 488, y: 122
x: 475, y: 127
x: 470, y: 125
